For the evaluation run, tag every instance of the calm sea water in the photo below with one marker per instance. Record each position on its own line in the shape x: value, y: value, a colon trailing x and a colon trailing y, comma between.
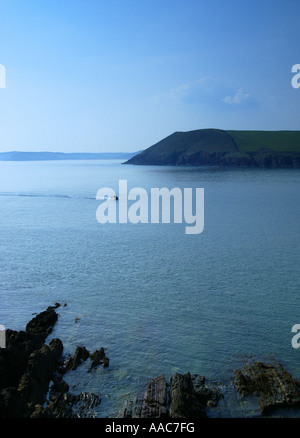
x: 158, y: 300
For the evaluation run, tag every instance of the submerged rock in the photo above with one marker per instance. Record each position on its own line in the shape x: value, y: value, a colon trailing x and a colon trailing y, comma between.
x: 207, y: 395
x: 274, y: 385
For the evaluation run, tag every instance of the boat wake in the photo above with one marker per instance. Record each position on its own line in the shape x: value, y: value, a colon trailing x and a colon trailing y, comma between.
x: 45, y: 195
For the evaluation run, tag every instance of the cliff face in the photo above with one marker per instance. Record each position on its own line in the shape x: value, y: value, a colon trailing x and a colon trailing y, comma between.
x: 213, y: 147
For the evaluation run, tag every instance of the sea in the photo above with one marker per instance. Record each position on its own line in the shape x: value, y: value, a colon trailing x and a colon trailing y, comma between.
x: 159, y: 300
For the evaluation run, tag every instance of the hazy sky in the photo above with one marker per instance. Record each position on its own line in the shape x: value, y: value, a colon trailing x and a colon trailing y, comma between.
x: 120, y: 75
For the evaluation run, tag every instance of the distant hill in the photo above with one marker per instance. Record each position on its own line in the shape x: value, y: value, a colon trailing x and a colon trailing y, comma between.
x: 46, y: 156
x: 224, y: 148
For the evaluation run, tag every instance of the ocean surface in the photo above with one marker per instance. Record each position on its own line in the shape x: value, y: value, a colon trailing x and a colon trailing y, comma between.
x: 157, y: 299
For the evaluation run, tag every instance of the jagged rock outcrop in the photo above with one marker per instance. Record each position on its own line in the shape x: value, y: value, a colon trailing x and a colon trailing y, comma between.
x: 274, y: 385
x: 28, y: 365
x: 32, y: 385
x: 41, y: 365
x: 184, y: 402
x: 99, y: 357
x: 43, y: 323
x: 21, y: 344
x: 63, y: 404
x: 155, y: 403
x: 81, y: 354
x: 185, y: 396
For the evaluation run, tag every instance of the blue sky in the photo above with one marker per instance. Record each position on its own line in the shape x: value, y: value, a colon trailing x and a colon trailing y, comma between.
x: 120, y: 75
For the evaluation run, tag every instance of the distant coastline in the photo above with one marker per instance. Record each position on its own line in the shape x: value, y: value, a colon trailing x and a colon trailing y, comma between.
x: 201, y: 147
x: 48, y: 156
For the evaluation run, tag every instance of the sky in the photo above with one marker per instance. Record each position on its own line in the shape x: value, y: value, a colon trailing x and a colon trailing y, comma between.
x: 120, y: 75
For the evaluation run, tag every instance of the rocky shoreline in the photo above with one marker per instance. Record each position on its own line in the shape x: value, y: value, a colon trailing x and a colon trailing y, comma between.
x: 263, y: 158
x: 31, y: 373
x: 32, y: 384
x: 185, y: 396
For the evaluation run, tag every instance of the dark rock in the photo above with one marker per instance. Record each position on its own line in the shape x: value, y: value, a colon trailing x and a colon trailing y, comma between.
x: 154, y: 404
x: 128, y: 411
x: 85, y: 401
x: 42, y: 363
x: 28, y: 365
x: 184, y: 402
x: 81, y: 355
x: 42, y: 324
x: 21, y: 344
x: 41, y: 366
x: 59, y: 386
x: 63, y: 404
x: 58, y: 407
x: 187, y: 397
x: 12, y: 403
x: 157, y: 391
x: 13, y: 358
x: 274, y: 385
x: 56, y: 348
x: 206, y: 394
x: 99, y: 357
